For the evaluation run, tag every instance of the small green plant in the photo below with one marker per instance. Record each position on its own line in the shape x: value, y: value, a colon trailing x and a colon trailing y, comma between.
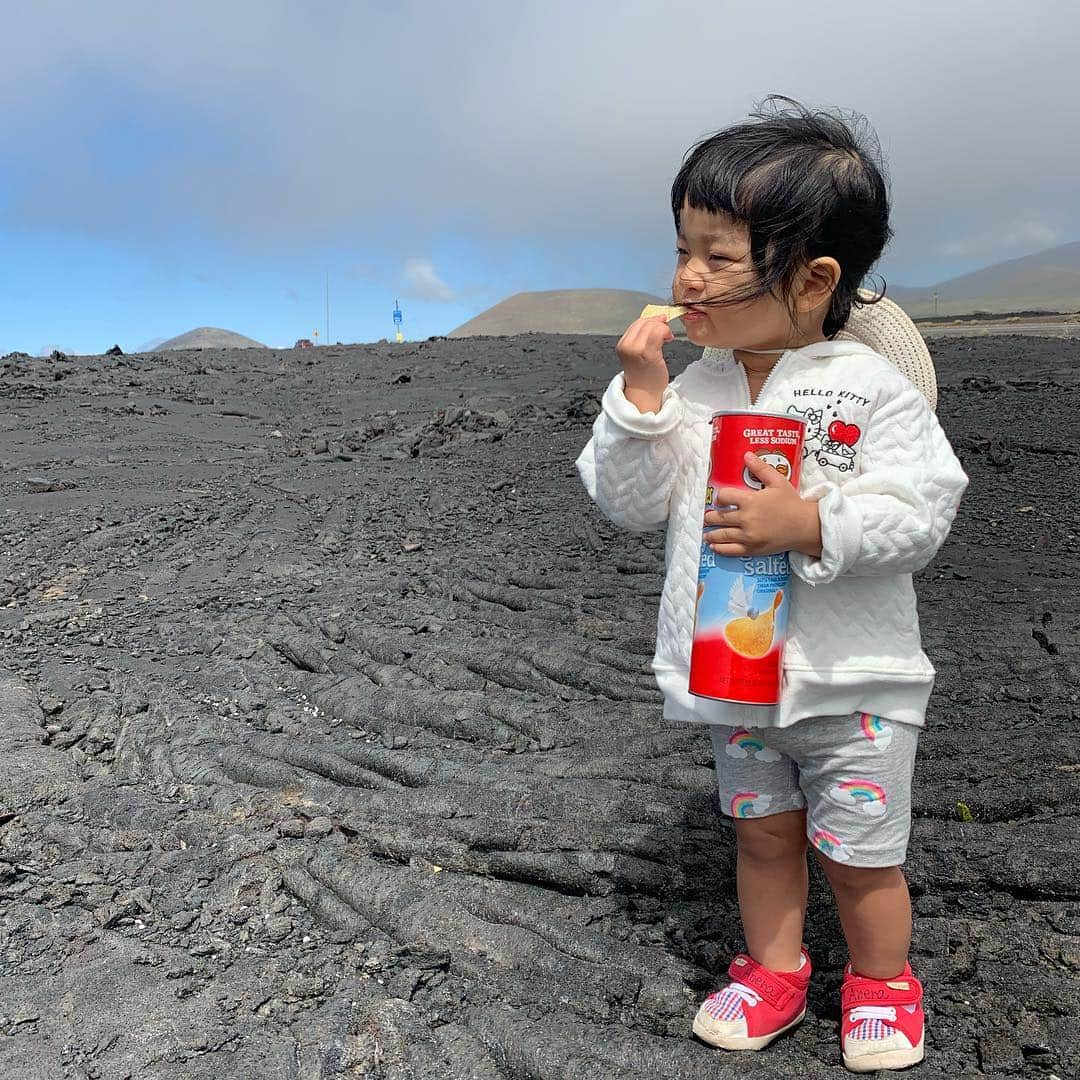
x: 963, y: 812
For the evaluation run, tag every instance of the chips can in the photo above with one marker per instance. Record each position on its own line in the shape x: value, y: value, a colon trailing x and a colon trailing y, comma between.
x: 741, y: 611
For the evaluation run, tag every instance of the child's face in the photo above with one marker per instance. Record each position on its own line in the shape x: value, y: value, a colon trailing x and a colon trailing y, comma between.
x: 713, y: 260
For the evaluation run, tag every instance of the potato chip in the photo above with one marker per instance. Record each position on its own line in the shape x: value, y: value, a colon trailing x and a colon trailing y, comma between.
x: 669, y: 311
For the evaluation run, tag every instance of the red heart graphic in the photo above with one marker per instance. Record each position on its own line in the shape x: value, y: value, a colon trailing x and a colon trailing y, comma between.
x: 848, y: 434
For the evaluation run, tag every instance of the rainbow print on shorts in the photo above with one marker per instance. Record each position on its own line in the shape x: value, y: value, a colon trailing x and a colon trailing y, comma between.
x: 830, y: 844
x: 745, y: 743
x: 749, y: 804
x: 862, y: 795
x: 876, y: 730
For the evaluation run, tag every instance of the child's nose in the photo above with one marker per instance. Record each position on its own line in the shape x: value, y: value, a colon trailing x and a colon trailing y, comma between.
x: 690, y: 279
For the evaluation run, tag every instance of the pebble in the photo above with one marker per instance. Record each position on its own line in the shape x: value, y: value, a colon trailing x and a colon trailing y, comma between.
x: 38, y: 485
x: 183, y: 919
x: 278, y: 927
x: 319, y: 827
x: 50, y: 705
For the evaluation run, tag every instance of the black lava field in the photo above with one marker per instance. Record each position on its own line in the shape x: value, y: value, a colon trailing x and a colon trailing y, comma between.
x: 329, y: 746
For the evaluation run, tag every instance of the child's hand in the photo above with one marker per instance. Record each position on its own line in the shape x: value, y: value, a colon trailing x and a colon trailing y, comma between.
x: 763, y: 522
x: 645, y: 371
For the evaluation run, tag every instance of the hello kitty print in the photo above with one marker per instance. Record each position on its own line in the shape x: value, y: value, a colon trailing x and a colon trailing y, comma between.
x: 831, y: 437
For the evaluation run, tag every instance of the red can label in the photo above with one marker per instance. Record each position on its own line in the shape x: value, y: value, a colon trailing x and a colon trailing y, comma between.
x: 741, y: 612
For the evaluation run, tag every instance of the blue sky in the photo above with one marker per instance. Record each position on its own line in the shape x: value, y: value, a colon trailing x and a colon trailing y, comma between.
x: 170, y: 166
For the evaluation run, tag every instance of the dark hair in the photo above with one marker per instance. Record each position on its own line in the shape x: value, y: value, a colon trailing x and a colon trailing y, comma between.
x: 806, y: 184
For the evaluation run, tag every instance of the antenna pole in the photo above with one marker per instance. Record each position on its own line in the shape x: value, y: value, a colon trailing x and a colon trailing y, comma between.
x: 327, y: 307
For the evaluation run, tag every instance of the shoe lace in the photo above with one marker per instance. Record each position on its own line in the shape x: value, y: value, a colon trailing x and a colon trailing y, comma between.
x: 741, y: 990
x: 873, y: 1012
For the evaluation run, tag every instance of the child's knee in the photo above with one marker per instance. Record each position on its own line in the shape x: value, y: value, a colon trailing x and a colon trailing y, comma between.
x: 776, y: 837
x: 859, y: 878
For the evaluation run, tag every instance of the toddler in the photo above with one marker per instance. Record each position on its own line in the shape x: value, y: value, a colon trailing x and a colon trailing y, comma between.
x: 778, y: 222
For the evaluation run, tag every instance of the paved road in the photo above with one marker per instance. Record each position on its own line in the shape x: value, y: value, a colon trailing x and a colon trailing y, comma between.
x: 1070, y: 331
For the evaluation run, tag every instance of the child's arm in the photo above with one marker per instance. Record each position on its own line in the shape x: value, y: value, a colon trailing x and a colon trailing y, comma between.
x: 630, y: 464
x: 894, y: 516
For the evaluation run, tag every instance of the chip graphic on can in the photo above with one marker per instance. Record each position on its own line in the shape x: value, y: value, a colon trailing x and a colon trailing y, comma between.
x: 752, y: 635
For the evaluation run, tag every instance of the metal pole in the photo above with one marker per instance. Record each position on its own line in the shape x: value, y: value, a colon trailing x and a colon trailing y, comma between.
x: 327, y: 307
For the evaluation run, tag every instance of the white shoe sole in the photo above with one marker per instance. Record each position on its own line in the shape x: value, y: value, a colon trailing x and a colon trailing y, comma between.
x: 887, y: 1059
x: 735, y: 1042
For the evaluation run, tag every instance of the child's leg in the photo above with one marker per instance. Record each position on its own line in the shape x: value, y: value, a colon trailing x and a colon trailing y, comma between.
x: 875, y: 912
x: 766, y: 994
x: 772, y: 883
x: 882, y: 1022
x: 856, y: 773
x: 759, y: 788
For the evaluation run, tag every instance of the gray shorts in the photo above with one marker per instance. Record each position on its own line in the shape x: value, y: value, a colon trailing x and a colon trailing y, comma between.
x: 851, y: 773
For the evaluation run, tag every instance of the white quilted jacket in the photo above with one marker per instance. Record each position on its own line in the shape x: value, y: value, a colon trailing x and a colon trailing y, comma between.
x: 888, y: 483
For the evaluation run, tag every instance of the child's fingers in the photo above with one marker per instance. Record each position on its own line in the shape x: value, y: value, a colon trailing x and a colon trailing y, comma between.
x: 655, y: 324
x: 766, y: 473
x: 653, y: 333
x: 721, y: 517
x: 644, y: 340
x: 726, y: 534
x: 643, y: 331
x: 730, y: 550
x: 732, y: 497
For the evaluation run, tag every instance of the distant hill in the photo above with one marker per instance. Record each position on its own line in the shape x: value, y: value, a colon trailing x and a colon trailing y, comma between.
x: 561, y: 311
x: 210, y: 337
x: 1046, y: 281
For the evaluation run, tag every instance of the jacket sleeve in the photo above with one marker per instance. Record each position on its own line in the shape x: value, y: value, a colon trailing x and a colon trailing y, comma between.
x: 630, y: 464
x: 894, y: 516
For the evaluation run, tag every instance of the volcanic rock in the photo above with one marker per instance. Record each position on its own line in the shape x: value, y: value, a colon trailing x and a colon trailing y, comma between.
x: 283, y: 794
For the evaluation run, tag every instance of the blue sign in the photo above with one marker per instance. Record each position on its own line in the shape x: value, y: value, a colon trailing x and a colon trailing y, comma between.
x: 397, y: 315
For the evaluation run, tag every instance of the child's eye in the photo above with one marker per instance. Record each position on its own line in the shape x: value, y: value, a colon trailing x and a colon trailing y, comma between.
x: 715, y: 258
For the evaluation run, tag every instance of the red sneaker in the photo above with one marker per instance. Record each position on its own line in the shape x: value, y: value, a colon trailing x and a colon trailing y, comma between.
x: 883, y: 1021
x: 755, y: 1007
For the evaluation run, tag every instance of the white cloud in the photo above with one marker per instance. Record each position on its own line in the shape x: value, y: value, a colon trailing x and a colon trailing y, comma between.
x: 423, y: 283
x: 553, y: 121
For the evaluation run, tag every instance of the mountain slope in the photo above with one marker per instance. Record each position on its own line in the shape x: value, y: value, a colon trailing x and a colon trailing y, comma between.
x: 1046, y: 281
x: 210, y: 337
x: 561, y: 311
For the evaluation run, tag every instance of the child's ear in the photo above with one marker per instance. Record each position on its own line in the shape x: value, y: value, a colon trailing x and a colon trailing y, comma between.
x: 819, y: 280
